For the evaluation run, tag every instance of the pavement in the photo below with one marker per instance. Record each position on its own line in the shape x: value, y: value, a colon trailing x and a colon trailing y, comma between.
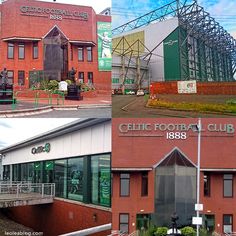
x: 26, y: 107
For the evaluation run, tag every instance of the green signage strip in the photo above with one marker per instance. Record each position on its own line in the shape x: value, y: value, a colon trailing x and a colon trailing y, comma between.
x: 104, y: 46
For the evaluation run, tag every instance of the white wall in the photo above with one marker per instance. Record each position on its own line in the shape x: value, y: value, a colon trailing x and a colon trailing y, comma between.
x: 96, y: 139
x: 154, y: 34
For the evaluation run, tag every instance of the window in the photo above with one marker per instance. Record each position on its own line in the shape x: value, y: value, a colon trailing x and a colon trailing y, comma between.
x: 75, y: 175
x: 90, y: 77
x: 89, y: 54
x: 101, y: 180
x: 35, y: 51
x: 124, y: 184
x: 10, y: 75
x: 80, y: 53
x: 207, y: 184
x: 124, y: 223
x: 21, y: 77
x: 227, y: 223
x: 60, y: 178
x: 228, y: 185
x: 81, y: 77
x: 144, y: 184
x: 10, y: 51
x: 21, y: 51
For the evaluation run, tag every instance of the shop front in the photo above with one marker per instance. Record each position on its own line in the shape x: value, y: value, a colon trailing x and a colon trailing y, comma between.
x: 77, y: 162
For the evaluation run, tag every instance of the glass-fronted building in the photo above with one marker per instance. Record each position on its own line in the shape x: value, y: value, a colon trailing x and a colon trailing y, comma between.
x: 77, y: 158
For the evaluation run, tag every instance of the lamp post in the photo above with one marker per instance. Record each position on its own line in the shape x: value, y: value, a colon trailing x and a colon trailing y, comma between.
x: 199, y: 129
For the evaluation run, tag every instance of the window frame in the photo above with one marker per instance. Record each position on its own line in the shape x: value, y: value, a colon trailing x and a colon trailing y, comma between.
x: 144, y: 189
x: 35, y: 45
x: 12, y: 46
x: 89, y: 52
x: 124, y: 178
x: 11, y: 71
x: 232, y: 185
x: 23, y: 76
x: 81, y: 73
x: 80, y: 50
x: 125, y: 223
x: 207, y: 186
x: 21, y: 46
x: 232, y: 224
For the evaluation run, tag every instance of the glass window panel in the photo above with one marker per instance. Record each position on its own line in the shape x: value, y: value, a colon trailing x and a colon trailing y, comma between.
x: 124, y: 184
x: 21, y: 51
x: 21, y: 77
x: 144, y: 184
x: 89, y: 54
x: 75, y: 179
x: 61, y: 178
x: 10, y: 51
x: 228, y: 185
x: 101, y: 179
x: 35, y: 51
x: 124, y: 223
x: 80, y: 53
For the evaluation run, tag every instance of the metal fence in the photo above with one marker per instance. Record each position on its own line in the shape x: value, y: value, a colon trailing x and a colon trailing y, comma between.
x: 19, y: 189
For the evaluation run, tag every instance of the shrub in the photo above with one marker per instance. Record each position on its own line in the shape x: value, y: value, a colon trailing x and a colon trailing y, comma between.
x: 161, y: 231
x: 53, y: 85
x: 69, y: 82
x: 203, y: 232
x: 188, y: 231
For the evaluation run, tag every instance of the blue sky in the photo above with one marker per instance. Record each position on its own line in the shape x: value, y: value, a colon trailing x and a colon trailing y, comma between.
x: 224, y: 11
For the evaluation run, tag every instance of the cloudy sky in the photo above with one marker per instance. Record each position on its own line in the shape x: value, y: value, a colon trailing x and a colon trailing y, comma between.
x: 14, y: 130
x: 224, y: 11
x: 98, y: 5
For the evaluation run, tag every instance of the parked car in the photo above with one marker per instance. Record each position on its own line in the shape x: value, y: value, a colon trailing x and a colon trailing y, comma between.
x: 130, y: 93
x: 140, y: 92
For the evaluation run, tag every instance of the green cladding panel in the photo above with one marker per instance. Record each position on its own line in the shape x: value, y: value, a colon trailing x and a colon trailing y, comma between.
x: 171, y: 56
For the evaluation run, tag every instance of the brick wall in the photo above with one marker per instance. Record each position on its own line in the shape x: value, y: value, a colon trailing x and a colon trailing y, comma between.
x: 59, y: 217
x: 204, y: 88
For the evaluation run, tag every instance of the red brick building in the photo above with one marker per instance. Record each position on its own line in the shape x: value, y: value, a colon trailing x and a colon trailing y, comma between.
x: 154, y: 165
x: 46, y: 39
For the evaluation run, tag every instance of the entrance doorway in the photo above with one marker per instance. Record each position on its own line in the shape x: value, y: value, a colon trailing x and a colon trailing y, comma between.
x: 55, y: 55
x: 143, y: 222
x: 209, y: 223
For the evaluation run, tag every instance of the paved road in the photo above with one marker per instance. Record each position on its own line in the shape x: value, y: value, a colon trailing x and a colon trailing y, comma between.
x: 80, y: 113
x: 133, y: 106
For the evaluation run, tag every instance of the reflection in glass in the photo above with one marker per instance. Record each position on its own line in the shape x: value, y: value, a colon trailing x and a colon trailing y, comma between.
x: 175, y: 189
x: 101, y: 179
x: 61, y: 178
x: 75, y: 179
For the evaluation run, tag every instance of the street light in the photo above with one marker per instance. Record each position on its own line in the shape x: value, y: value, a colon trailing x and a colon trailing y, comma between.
x: 198, y: 128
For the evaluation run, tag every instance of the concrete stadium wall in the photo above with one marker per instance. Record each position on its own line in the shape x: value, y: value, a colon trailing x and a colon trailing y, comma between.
x: 204, y: 88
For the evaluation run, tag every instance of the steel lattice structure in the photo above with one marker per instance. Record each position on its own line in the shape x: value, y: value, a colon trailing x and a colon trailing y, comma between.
x: 203, y: 43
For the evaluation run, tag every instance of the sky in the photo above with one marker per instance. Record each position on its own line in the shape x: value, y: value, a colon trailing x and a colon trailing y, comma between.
x: 98, y: 5
x: 14, y: 130
x: 224, y: 11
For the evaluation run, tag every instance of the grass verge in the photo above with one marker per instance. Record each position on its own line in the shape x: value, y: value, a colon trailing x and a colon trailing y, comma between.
x: 198, y: 107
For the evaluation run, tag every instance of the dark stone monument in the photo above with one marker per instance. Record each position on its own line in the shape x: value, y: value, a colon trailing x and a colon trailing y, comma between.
x: 6, y: 90
x: 72, y: 74
x: 73, y: 92
x: 174, y: 218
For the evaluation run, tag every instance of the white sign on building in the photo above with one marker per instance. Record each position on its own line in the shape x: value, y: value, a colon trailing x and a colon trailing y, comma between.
x: 187, y: 86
